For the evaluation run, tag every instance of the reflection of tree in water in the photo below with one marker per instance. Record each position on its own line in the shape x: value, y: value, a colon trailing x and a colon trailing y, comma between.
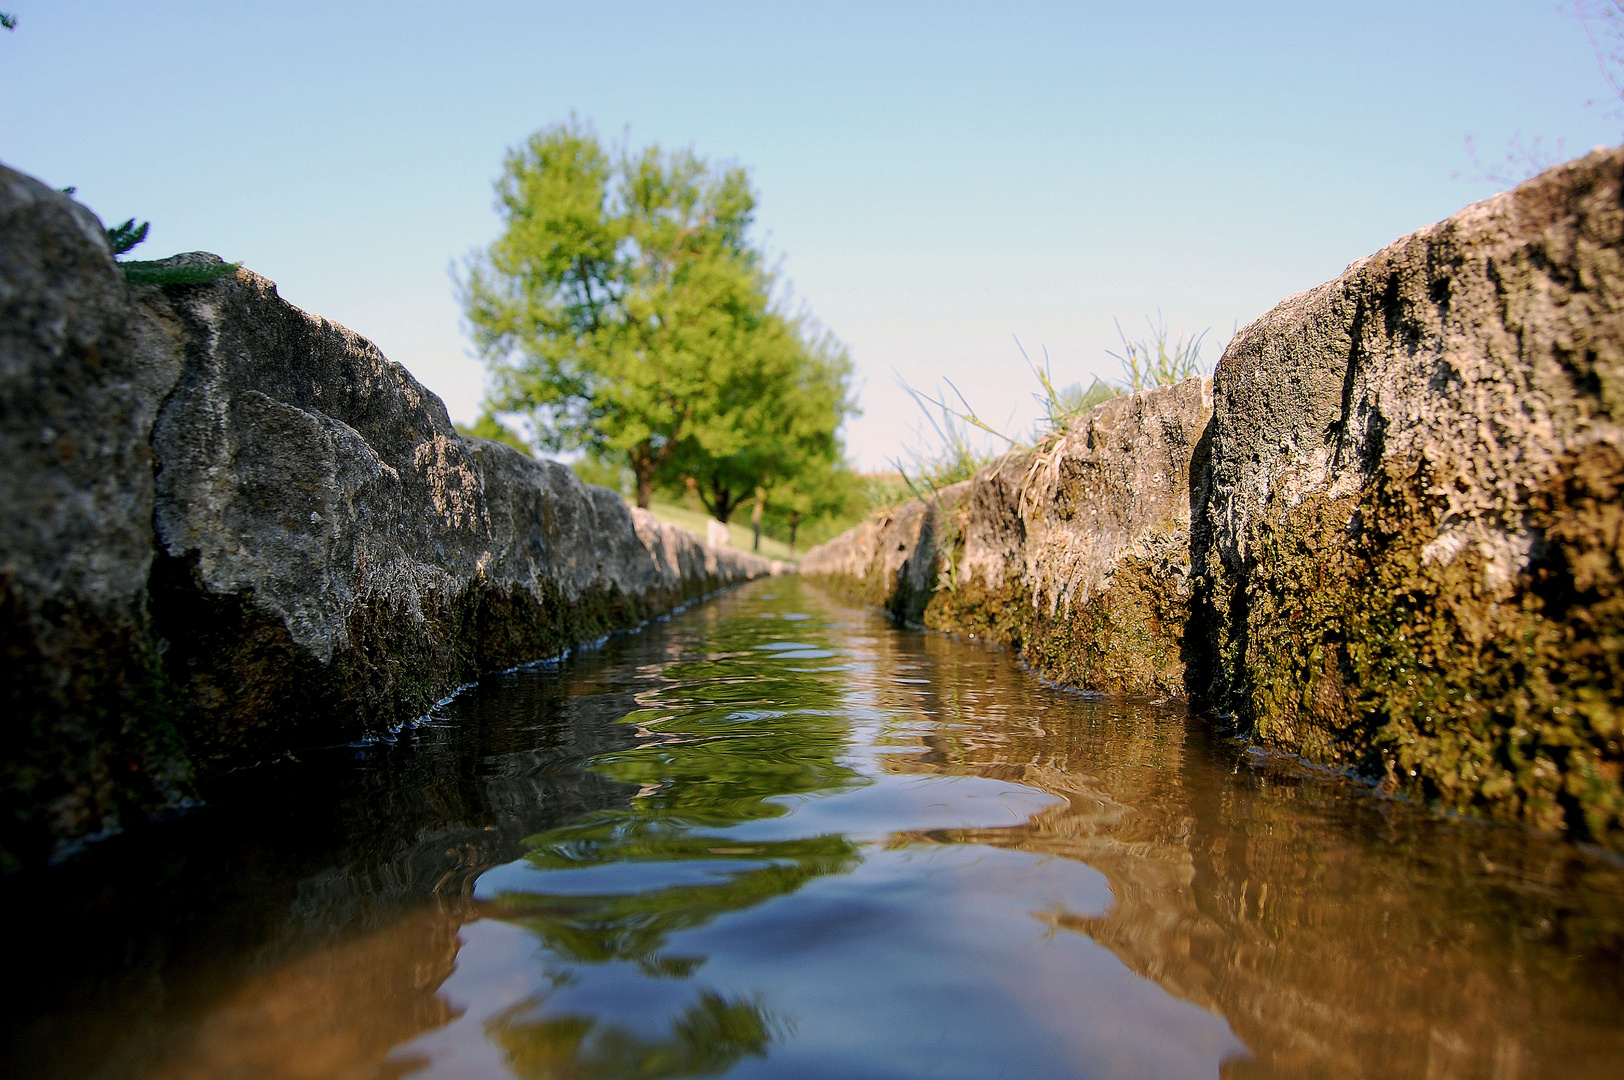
x: 721, y: 738
x: 635, y: 926
x: 707, y: 1039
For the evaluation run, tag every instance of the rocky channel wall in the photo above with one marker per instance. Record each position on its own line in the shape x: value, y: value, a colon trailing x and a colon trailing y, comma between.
x: 230, y: 530
x: 1387, y: 538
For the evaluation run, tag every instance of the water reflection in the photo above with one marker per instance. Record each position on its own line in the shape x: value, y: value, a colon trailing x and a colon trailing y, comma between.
x: 778, y: 837
x: 635, y: 925
x: 707, y: 1039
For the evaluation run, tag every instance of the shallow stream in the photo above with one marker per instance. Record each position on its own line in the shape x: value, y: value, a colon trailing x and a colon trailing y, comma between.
x: 777, y: 836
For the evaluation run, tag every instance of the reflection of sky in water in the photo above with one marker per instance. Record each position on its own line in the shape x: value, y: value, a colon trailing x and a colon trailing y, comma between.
x: 775, y: 893
x: 924, y: 960
x: 691, y: 854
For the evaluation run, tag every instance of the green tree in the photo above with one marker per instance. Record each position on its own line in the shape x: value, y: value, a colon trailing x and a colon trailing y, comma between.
x: 824, y: 488
x: 622, y: 296
x: 777, y: 422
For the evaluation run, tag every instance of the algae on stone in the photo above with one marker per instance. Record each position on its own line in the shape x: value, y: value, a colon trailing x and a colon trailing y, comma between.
x: 1413, y: 565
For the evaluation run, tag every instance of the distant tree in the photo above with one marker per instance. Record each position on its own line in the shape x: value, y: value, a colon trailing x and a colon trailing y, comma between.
x: 825, y: 488
x: 621, y: 299
x: 777, y: 418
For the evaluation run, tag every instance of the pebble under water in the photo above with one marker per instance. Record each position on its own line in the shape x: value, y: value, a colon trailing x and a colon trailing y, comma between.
x: 777, y: 836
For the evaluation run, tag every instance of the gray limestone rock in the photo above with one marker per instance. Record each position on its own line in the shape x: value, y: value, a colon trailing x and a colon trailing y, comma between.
x: 78, y: 393
x: 232, y: 529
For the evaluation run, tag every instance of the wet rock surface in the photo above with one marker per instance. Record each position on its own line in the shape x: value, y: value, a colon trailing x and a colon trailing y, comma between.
x: 233, y: 530
x: 1401, y: 552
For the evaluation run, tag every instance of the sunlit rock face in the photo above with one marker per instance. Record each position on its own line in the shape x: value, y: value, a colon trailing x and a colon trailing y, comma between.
x: 232, y: 529
x: 1415, y: 513
x: 1389, y: 539
x: 1076, y: 552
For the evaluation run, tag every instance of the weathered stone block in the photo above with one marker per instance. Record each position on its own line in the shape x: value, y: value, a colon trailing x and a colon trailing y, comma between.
x: 1404, y: 553
x: 1076, y: 553
x: 1416, y: 516
x: 230, y: 529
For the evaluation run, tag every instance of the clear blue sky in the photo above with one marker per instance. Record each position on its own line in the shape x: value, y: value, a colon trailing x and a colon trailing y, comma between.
x: 935, y: 177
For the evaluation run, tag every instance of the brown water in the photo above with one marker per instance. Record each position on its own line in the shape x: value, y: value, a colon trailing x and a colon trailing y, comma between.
x: 777, y: 836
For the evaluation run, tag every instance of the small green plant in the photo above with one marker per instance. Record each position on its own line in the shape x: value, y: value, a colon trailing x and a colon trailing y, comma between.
x: 1162, y: 359
x: 882, y: 491
x: 928, y: 473
x: 122, y: 238
x: 1060, y: 405
x: 957, y: 459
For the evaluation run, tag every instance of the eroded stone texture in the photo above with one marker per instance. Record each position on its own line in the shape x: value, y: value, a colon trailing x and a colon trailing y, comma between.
x: 1076, y: 553
x: 78, y: 392
x: 1416, y: 514
x: 231, y: 529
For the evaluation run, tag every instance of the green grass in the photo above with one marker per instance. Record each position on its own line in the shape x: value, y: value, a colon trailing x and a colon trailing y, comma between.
x: 739, y: 530
x: 155, y: 273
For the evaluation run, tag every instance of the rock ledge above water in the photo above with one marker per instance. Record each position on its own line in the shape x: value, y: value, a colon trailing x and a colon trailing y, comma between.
x: 231, y: 529
x: 1392, y: 540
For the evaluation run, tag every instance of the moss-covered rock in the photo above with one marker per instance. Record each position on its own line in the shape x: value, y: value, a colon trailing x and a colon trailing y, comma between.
x: 1412, y: 563
x: 1395, y: 549
x: 1076, y: 554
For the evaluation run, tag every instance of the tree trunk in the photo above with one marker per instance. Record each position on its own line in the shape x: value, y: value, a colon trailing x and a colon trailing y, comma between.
x: 722, y: 504
x: 794, y: 523
x: 755, y: 520
x: 643, y: 468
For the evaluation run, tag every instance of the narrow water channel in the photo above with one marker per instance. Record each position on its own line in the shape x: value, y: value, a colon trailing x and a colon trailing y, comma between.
x: 777, y: 836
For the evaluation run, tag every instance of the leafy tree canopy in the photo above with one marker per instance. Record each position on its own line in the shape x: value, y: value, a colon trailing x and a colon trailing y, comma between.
x: 624, y: 308
x: 774, y: 432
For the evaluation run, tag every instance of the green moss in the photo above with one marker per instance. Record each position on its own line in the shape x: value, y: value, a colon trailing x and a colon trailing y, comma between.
x: 1343, y: 642
x: 1358, y: 650
x: 1128, y: 639
x: 92, y: 742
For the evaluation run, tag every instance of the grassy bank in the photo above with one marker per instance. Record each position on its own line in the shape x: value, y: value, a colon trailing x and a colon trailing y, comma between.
x: 740, y: 535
